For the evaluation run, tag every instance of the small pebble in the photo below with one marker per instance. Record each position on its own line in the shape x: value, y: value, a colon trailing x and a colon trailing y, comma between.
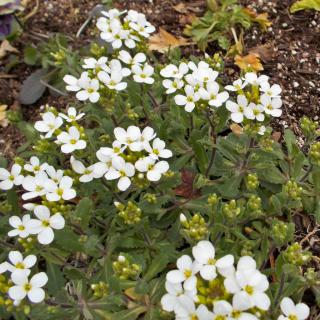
x: 296, y: 84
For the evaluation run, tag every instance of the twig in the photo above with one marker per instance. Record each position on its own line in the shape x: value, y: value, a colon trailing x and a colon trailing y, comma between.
x: 53, y: 88
x: 307, y: 173
x: 33, y: 12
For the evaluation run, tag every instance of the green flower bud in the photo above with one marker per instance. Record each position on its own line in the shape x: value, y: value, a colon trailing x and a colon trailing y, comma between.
x: 282, y: 232
x: 295, y: 255
x: 130, y: 213
x: 309, y: 128
x: 100, y: 289
x: 252, y: 181
x: 314, y: 153
x: 196, y: 227
x: 151, y: 198
x: 230, y: 209
x: 213, y: 199
x: 124, y: 269
x: 292, y: 190
x: 254, y: 204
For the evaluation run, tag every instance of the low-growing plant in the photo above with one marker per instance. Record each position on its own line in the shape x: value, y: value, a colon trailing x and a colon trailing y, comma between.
x: 107, y: 201
x: 220, y: 22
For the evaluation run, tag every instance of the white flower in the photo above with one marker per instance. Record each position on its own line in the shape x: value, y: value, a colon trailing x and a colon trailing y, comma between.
x: 18, y: 265
x: 262, y: 130
x: 113, y: 80
x: 34, y: 185
x: 33, y: 288
x: 186, y: 310
x: 89, y: 89
x: 187, y: 269
x: 121, y: 170
x: 96, y: 65
x: 237, y: 109
x: 188, y: 101
x: 271, y: 106
x: 20, y: 226
x: 34, y: 165
x: 130, y: 137
x: 272, y: 91
x: 254, y: 111
x: 85, y: 87
x: 143, y: 74
x: 172, y: 71
x: 291, y: 311
x: 62, y: 190
x: 172, y: 85
x: 49, y: 124
x: 212, y: 94
x: 249, y: 284
x: 137, y: 60
x: 154, y: 170
x: 158, y: 149
x: 12, y: 178
x: 202, y: 72
x: 140, y: 24
x: 170, y: 300
x: 236, y: 85
x: 253, y: 79
x: 70, y: 141
x: 55, y: 175
x: 112, y: 13
x: 43, y: 226
x: 116, y: 67
x: 87, y: 174
x: 71, y: 115
x: 224, y: 310
x: 204, y: 254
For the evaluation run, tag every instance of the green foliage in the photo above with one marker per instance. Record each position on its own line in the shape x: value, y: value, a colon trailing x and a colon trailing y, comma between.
x: 305, y: 5
x: 219, y: 23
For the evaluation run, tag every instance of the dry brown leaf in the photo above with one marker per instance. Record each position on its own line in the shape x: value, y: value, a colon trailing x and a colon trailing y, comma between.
x: 164, y: 40
x: 6, y: 47
x: 276, y: 136
x: 261, y: 18
x: 265, y: 52
x: 180, y: 7
x: 3, y: 116
x: 187, y: 19
x: 250, y: 62
x: 236, y: 129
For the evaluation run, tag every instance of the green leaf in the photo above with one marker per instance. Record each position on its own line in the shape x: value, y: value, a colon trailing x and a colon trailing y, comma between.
x: 56, y: 279
x: 84, y: 212
x: 304, y: 5
x: 30, y: 55
x: 130, y: 314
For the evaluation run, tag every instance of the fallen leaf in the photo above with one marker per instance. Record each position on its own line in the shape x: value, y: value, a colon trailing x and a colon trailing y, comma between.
x: 6, y: 47
x: 265, y: 52
x: 187, y: 19
x: 3, y: 115
x: 260, y: 18
x: 163, y: 41
x: 250, y: 62
x: 186, y: 189
x: 236, y: 129
x: 180, y: 7
x: 276, y: 136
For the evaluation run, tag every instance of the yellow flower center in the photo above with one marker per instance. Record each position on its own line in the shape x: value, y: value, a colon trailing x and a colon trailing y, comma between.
x: 11, y: 178
x: 292, y: 317
x: 87, y: 171
x: 36, y: 168
x: 190, y: 99
x: 212, y: 261
x: 249, y: 289
x: 156, y: 151
x: 60, y: 192
x: 188, y: 273
x: 256, y: 112
x: 235, y: 314
x: 122, y: 173
x: 269, y: 107
x: 73, y: 141
x: 21, y: 227
x: 19, y: 265
x: 143, y: 75
x: 45, y: 223
x: 213, y: 96
x: 220, y: 317
x: 39, y: 188
x: 27, y: 287
x: 241, y: 108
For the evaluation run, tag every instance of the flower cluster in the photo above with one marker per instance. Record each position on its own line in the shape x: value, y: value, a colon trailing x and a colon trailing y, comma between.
x: 20, y: 285
x: 195, y: 84
x: 211, y: 288
x: 102, y: 76
x: 70, y: 140
x: 256, y: 99
x: 134, y: 153
x: 119, y: 30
